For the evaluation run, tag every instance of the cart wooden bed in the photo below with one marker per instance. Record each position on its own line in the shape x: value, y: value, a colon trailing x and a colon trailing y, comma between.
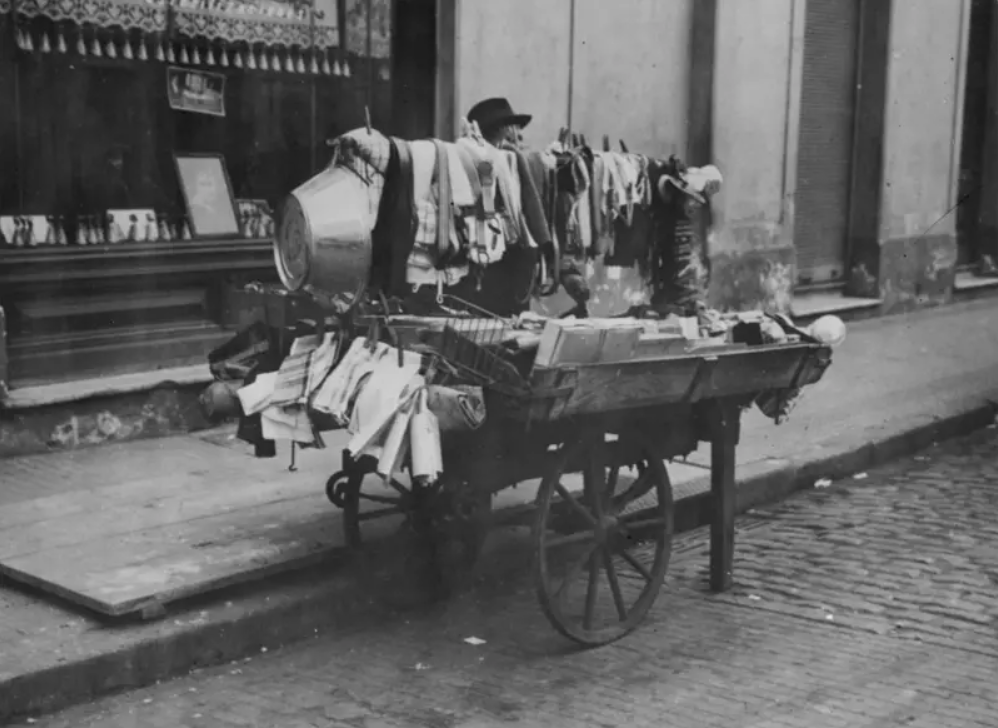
x: 596, y: 420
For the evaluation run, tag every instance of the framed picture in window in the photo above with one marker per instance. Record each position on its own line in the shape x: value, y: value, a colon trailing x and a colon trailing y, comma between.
x: 208, y: 196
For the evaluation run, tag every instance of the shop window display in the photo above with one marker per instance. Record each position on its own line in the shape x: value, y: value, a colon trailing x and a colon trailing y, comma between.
x: 93, y: 130
x: 103, y: 268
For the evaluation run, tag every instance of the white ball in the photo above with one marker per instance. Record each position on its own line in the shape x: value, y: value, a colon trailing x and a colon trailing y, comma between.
x: 829, y: 330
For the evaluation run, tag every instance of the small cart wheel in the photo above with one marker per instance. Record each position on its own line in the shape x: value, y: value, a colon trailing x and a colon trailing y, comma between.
x: 346, y: 491
x: 618, y: 550
x: 387, y: 532
x: 429, y: 541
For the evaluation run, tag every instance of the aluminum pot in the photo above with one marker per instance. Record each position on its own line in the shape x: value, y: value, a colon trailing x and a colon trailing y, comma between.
x: 324, y: 239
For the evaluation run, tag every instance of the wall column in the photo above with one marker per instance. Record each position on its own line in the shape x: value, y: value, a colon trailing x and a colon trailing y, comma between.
x: 758, y: 59
x: 904, y: 250
x: 988, y: 222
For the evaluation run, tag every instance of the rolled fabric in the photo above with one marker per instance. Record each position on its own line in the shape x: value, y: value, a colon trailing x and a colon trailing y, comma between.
x: 456, y: 410
x: 424, y: 442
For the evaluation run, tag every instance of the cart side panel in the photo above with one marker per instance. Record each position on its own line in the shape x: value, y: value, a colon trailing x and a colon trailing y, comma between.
x: 596, y: 388
x: 628, y: 385
x: 755, y: 370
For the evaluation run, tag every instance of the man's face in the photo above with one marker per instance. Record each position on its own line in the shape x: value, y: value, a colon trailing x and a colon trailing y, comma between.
x: 510, y: 135
x: 514, y: 135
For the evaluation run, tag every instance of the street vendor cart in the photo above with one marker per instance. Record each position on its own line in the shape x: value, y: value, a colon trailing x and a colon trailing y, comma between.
x: 604, y: 401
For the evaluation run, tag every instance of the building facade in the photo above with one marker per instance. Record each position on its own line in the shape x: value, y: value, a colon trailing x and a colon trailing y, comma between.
x: 857, y: 138
x: 115, y: 116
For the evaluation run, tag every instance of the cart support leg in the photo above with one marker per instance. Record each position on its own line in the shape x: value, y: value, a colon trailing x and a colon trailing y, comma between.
x: 724, y: 440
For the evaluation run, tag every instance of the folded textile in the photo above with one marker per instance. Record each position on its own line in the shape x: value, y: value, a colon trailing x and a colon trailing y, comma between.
x: 383, y: 390
x: 334, y: 395
x: 256, y: 397
x: 288, y: 423
x: 292, y: 377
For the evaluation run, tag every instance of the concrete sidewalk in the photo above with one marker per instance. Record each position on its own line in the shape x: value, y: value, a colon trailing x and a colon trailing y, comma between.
x: 869, y: 603
x: 897, y: 385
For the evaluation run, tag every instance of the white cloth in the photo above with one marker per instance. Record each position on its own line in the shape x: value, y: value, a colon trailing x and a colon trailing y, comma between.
x: 256, y: 397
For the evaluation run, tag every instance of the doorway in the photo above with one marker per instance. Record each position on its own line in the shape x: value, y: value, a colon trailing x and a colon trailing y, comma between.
x: 978, y: 97
x: 414, y: 68
x: 825, y: 150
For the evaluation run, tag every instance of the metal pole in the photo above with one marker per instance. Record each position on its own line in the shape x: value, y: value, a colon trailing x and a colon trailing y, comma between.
x: 370, y: 61
x: 18, y: 121
x: 313, y: 105
x: 571, y: 63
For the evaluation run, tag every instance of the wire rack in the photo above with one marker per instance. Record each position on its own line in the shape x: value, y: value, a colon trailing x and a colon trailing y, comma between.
x: 471, y: 340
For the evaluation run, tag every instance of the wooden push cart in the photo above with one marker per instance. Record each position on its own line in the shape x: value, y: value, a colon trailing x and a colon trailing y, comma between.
x: 616, y: 424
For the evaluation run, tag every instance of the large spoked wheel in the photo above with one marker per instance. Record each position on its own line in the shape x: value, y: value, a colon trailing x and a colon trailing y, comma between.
x: 413, y: 544
x: 602, y: 555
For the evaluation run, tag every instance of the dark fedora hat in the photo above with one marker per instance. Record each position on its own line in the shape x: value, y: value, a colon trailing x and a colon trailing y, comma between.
x: 491, y: 113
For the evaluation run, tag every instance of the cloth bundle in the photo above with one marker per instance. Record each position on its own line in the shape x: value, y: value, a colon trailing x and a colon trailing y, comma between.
x: 450, y: 211
x: 628, y: 210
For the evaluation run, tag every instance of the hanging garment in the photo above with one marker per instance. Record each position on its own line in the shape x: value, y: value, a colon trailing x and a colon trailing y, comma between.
x: 582, y: 216
x: 335, y: 395
x: 571, y: 184
x: 289, y: 423
x: 493, y: 220
x: 394, y: 233
x: 571, y: 181
x: 613, y: 187
x: 258, y: 394
x: 292, y: 376
x: 379, y: 397
x: 632, y: 243
x: 628, y: 170
x: 542, y: 167
x: 602, y: 231
x: 534, y: 218
x: 678, y: 276
x: 445, y: 189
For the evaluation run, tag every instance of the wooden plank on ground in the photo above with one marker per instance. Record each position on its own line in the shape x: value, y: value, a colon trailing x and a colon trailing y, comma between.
x: 122, y: 573
x: 157, y: 546
x: 69, y: 526
x: 125, y: 464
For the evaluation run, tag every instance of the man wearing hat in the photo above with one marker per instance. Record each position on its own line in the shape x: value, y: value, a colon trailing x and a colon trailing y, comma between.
x: 499, y: 124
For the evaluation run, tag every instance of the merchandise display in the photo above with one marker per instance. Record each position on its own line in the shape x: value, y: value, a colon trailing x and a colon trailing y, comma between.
x: 112, y: 228
x: 566, y: 205
x: 449, y: 400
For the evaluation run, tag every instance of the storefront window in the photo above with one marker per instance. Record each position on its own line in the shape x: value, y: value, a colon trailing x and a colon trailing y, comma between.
x: 103, y: 269
x: 91, y: 127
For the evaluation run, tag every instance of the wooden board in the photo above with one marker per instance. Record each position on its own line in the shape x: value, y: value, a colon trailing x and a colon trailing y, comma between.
x: 160, y: 521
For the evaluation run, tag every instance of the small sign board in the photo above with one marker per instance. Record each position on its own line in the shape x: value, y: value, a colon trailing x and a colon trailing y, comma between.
x: 200, y: 92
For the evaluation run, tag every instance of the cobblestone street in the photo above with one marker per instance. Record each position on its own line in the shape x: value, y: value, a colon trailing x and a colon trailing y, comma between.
x: 872, y: 602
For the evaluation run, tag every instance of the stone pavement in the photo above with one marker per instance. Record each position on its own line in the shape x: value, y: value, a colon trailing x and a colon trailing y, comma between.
x: 873, y: 602
x: 892, y: 376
